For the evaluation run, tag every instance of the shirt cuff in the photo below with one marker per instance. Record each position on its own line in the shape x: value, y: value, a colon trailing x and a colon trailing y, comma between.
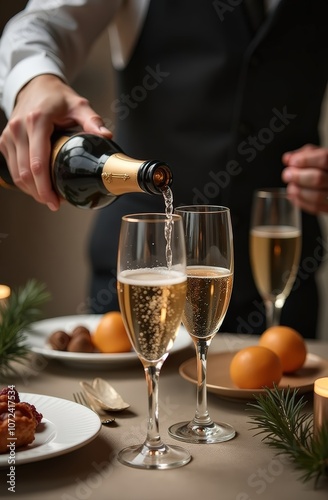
x: 22, y: 73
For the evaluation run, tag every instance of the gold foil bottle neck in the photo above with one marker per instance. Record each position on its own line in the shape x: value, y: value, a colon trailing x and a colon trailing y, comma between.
x: 120, y: 174
x: 109, y: 177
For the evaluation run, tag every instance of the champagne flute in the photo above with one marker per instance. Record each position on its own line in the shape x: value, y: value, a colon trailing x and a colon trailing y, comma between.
x: 275, y: 248
x: 209, y: 246
x: 152, y: 285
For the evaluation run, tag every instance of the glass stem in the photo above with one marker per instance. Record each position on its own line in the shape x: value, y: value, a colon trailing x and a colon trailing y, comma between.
x: 201, y: 415
x: 273, y: 313
x: 153, y: 439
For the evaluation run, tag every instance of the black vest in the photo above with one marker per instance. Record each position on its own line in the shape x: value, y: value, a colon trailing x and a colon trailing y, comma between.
x: 221, y: 105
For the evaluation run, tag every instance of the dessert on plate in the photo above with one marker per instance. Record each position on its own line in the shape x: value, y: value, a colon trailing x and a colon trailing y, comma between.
x: 18, y: 420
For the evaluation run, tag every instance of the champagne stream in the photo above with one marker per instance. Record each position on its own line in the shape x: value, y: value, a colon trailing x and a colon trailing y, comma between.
x: 168, y: 199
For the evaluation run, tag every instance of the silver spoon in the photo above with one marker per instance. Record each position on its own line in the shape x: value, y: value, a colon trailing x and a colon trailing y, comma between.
x: 103, y: 395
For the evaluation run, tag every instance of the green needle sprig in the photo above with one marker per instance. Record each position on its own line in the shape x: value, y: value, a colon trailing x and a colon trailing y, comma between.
x: 281, y: 417
x: 16, y: 315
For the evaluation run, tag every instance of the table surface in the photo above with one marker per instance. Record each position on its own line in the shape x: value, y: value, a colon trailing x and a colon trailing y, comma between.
x: 244, y: 468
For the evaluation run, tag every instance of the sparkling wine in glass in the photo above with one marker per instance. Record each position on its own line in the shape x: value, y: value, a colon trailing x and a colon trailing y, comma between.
x: 152, y: 285
x: 210, y: 267
x: 275, y: 248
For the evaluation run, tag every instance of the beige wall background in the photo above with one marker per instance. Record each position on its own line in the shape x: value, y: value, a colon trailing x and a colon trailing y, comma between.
x: 52, y: 247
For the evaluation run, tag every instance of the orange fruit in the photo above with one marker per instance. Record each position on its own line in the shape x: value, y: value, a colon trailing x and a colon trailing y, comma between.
x: 255, y: 367
x: 288, y: 344
x: 110, y: 334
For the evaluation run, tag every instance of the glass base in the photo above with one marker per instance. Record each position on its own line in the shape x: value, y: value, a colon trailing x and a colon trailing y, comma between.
x: 193, y: 432
x: 164, y: 457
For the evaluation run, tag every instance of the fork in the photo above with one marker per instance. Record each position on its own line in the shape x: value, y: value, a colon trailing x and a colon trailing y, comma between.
x: 80, y: 398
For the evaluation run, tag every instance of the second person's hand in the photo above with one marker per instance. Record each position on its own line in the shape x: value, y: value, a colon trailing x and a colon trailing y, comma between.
x: 306, y: 175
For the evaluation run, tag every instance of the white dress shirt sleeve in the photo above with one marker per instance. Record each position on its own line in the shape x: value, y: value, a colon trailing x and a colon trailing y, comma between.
x: 125, y: 30
x: 49, y: 36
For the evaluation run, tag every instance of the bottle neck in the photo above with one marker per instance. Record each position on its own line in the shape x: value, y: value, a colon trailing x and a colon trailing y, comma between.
x: 120, y: 174
x: 154, y: 176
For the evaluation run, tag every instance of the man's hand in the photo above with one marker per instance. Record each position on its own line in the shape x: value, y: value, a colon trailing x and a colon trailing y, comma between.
x: 44, y: 104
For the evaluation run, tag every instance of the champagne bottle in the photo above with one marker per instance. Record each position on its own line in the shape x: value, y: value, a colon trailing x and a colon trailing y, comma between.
x: 90, y: 171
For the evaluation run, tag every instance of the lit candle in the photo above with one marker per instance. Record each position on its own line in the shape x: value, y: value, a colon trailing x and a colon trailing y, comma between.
x: 320, y: 410
x: 4, y: 292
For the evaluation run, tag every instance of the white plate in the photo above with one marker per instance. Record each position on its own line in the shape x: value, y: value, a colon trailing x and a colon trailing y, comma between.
x: 66, y: 426
x: 38, y: 343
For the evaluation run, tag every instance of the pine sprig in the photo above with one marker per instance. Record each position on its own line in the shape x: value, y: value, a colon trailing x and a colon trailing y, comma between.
x: 281, y: 417
x: 21, y: 309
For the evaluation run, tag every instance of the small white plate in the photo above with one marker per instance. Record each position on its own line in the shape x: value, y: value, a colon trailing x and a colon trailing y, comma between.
x: 38, y: 343
x: 66, y: 426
